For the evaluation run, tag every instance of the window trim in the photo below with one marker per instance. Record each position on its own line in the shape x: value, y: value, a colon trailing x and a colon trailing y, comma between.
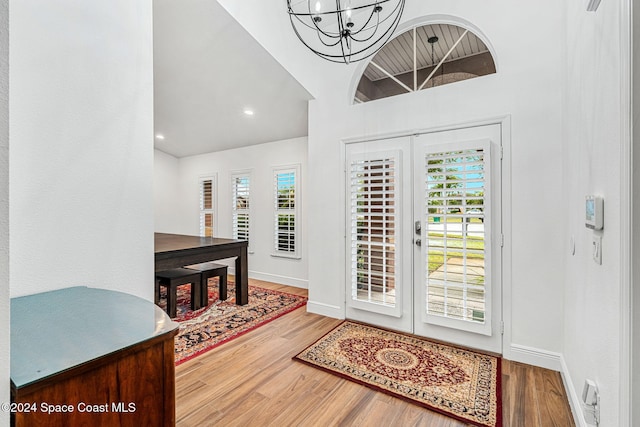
x: 296, y: 211
x: 419, y: 22
x: 214, y: 203
x: 248, y: 173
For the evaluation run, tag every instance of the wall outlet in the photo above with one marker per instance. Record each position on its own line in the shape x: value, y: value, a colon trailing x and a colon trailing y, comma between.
x: 591, y: 403
x: 592, y: 413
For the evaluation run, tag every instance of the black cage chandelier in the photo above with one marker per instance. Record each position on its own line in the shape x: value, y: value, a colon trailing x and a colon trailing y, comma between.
x: 344, y: 30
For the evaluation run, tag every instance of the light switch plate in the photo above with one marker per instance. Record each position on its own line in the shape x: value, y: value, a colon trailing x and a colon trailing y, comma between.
x: 597, y: 249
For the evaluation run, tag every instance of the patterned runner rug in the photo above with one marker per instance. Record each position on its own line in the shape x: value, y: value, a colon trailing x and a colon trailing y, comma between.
x: 458, y: 383
x: 221, y: 321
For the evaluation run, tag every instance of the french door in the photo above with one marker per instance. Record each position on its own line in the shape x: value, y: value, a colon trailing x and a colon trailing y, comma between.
x: 424, y: 235
x: 379, y: 233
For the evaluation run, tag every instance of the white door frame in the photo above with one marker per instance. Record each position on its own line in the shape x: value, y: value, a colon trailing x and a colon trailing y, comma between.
x: 505, y: 129
x: 630, y: 229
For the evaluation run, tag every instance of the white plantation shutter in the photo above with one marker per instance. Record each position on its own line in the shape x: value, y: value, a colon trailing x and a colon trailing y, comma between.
x: 240, y: 205
x: 207, y: 206
x: 458, y: 240
x: 287, y: 208
x: 373, y: 191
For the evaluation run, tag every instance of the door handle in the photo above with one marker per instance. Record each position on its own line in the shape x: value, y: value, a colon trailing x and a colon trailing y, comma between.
x: 418, y: 242
x: 417, y: 226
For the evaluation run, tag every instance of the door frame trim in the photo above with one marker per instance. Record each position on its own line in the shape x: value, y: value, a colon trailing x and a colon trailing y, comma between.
x: 505, y: 129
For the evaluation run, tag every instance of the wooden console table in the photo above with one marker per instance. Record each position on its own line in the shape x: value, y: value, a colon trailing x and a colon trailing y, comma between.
x: 177, y: 250
x: 84, y: 356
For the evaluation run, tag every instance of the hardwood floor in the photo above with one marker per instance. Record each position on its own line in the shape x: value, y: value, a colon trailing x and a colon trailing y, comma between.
x: 252, y: 381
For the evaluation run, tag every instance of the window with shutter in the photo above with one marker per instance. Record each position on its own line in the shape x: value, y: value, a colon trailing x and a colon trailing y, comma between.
x: 373, y: 189
x: 240, y: 204
x: 207, y: 206
x: 456, y: 186
x: 287, y: 207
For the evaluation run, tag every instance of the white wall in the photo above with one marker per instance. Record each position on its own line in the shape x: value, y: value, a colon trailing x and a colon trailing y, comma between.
x: 558, y: 77
x: 82, y: 144
x: 4, y: 209
x: 593, y: 118
x: 166, y: 191
x: 527, y: 87
x: 259, y: 159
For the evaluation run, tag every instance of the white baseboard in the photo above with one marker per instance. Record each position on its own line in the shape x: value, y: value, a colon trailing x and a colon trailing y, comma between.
x: 535, y: 356
x: 333, y: 311
x: 274, y: 278
x: 283, y: 280
x: 574, y: 401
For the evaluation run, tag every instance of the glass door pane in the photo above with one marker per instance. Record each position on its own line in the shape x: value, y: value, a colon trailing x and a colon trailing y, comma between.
x: 454, y: 202
x: 373, y: 224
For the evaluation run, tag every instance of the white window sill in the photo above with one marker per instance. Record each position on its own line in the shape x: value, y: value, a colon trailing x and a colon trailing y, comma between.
x: 289, y: 256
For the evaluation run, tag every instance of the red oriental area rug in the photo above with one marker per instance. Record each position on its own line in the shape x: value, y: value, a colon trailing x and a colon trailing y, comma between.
x: 455, y: 382
x: 221, y: 321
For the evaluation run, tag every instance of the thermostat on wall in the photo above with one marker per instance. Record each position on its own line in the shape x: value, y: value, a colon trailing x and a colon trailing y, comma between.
x: 594, y: 212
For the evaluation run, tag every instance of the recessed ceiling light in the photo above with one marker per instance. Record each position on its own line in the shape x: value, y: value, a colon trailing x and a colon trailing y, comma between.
x: 159, y: 136
x: 248, y: 112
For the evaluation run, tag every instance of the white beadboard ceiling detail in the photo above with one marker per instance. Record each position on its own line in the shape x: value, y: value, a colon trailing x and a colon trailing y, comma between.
x: 397, y: 56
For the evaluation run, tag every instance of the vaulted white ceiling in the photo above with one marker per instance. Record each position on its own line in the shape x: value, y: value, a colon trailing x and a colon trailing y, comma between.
x: 207, y: 71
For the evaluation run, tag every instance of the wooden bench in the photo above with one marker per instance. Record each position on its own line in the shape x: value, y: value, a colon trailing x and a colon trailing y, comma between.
x: 173, y: 278
x: 209, y: 270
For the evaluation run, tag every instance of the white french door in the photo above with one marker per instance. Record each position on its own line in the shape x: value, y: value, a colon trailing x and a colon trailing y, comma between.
x: 424, y: 235
x: 379, y: 215
x: 457, y: 261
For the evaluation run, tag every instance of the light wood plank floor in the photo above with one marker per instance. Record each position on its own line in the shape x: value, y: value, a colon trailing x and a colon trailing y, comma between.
x: 252, y: 381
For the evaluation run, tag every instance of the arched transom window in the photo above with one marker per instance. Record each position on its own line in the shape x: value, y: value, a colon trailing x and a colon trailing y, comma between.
x: 424, y: 57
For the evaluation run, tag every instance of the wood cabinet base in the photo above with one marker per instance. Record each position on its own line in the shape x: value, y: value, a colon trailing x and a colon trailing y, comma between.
x: 130, y: 388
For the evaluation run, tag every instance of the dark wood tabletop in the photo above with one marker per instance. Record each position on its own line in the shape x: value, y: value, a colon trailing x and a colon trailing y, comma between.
x: 179, y: 250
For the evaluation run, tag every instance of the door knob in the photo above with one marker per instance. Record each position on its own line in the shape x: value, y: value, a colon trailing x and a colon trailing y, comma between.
x: 418, y: 242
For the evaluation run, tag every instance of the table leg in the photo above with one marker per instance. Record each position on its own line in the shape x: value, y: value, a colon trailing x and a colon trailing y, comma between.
x: 222, y: 287
x: 156, y: 292
x: 242, y: 278
x: 172, y: 297
x: 204, y: 290
x: 196, y: 297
